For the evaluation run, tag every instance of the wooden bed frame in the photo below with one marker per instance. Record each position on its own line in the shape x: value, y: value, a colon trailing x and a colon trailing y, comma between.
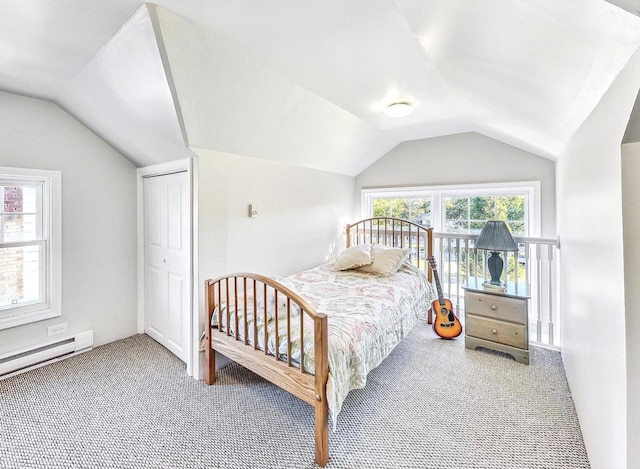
x: 232, y: 340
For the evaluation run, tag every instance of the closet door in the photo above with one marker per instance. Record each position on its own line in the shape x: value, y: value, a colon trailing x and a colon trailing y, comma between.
x: 167, y: 252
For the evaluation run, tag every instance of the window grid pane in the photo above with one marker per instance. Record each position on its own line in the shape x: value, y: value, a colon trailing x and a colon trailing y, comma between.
x: 468, y: 214
x: 21, y: 267
x: 19, y: 228
x: 19, y: 276
x: 415, y: 209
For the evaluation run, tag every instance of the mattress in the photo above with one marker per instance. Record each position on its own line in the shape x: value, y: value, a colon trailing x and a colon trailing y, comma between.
x: 368, y: 316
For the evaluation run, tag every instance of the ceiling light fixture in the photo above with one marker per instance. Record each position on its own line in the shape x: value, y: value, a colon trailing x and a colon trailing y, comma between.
x: 399, y: 109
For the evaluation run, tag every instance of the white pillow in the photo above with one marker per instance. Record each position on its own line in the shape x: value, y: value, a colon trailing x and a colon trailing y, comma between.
x: 353, y: 257
x: 386, y: 260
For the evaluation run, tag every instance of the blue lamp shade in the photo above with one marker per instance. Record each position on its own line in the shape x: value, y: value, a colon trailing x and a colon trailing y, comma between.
x: 495, y: 237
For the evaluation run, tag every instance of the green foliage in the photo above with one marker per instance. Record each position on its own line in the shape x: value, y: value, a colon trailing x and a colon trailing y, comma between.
x: 468, y: 214
x: 463, y: 214
x: 414, y: 209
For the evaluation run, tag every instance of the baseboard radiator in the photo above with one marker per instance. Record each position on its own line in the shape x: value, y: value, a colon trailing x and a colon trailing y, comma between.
x: 39, y: 355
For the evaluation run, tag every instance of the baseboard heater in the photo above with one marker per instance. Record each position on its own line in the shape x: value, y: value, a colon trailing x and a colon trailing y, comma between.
x: 39, y: 355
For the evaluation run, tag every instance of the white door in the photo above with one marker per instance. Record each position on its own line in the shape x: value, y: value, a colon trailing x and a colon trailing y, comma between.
x: 167, y: 253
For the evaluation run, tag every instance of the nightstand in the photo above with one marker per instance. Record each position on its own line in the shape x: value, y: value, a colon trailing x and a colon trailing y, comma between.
x: 497, y: 320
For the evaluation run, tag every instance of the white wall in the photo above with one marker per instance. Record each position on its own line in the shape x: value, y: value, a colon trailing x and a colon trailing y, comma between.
x: 589, y: 219
x: 302, y: 215
x: 462, y: 159
x: 99, y: 286
x: 631, y: 234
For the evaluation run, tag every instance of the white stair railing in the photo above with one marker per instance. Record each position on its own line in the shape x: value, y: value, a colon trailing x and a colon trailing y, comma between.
x: 534, y: 265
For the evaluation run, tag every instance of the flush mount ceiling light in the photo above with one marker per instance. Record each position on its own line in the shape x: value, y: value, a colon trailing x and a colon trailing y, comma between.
x: 398, y: 109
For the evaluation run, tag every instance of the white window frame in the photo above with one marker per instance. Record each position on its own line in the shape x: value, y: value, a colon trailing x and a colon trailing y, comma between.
x: 438, y: 193
x: 51, y: 253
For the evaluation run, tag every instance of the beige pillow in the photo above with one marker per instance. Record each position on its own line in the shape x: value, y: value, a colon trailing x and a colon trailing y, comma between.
x: 353, y: 257
x: 386, y: 260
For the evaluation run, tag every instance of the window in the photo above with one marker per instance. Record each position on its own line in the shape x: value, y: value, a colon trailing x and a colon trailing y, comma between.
x: 29, y: 246
x: 468, y: 214
x: 460, y: 209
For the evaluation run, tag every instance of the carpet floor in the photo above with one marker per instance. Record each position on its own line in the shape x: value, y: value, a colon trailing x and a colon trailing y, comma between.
x: 431, y: 404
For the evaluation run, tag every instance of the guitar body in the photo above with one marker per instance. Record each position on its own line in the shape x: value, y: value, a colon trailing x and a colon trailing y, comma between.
x: 446, y: 324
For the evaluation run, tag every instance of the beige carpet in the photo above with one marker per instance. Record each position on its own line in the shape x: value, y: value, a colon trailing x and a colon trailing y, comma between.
x: 431, y: 404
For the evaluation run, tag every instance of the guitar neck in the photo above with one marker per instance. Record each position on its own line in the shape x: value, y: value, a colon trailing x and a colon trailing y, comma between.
x: 438, y: 288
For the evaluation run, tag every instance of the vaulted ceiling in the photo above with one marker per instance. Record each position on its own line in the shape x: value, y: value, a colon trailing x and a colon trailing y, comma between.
x: 306, y: 82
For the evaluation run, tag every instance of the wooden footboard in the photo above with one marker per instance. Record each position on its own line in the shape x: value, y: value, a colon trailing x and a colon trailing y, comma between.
x: 243, y: 301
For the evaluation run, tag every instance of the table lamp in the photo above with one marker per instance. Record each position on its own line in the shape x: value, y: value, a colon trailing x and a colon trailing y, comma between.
x: 495, y: 237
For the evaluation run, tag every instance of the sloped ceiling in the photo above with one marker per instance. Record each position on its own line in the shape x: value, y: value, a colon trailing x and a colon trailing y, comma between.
x: 306, y: 82
x: 632, y: 6
x: 123, y: 95
x: 100, y: 61
x: 244, y: 107
x: 632, y: 134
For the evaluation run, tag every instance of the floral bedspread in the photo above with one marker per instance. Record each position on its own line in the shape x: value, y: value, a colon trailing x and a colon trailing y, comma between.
x: 367, y: 315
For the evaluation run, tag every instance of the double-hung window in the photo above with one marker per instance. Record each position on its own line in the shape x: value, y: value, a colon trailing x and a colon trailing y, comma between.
x: 29, y: 246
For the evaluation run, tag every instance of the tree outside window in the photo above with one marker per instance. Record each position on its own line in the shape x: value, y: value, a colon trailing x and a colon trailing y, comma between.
x: 415, y: 209
x: 468, y: 214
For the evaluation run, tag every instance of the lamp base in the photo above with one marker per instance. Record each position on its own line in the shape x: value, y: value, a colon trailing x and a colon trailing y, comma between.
x: 495, y: 264
x: 495, y: 288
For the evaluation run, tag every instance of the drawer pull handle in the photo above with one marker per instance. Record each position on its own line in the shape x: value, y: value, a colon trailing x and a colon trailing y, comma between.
x: 494, y: 307
x: 493, y: 331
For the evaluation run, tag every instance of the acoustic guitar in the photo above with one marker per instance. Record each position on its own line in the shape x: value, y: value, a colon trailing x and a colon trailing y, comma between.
x: 446, y: 324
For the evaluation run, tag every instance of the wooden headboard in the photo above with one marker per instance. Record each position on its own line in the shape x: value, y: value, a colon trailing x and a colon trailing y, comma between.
x: 395, y: 232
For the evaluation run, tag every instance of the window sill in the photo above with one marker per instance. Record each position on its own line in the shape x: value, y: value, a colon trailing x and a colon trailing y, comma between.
x: 27, y: 318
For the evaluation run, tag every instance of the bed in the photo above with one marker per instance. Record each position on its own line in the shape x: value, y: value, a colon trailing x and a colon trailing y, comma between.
x: 317, y: 333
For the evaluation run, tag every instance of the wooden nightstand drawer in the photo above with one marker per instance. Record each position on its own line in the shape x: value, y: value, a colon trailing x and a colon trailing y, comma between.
x: 496, y: 307
x: 505, y: 333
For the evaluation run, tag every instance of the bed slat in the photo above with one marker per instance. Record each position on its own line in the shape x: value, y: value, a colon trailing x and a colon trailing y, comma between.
x: 235, y: 301
x: 266, y: 331
x: 277, y: 331
x: 228, y: 308
x: 302, y: 314
x: 246, y: 312
x: 255, y: 314
x: 288, y: 331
